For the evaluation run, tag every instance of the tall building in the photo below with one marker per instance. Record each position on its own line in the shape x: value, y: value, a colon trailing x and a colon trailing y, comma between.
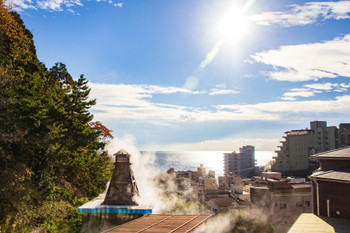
x: 241, y: 163
x: 326, y: 137
x: 293, y: 155
x: 344, y: 134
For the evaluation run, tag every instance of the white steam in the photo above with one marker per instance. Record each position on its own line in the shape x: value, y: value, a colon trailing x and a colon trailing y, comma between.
x: 218, y: 224
x: 161, y: 198
x: 143, y: 166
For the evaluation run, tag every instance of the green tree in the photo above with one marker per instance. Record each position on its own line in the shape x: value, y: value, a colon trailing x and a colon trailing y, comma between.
x: 51, y: 158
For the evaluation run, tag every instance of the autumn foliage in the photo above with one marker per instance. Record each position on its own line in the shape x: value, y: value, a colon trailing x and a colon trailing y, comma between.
x: 51, y: 154
x: 15, y: 41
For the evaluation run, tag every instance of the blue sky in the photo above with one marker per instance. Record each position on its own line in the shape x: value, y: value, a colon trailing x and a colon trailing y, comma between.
x: 202, y: 74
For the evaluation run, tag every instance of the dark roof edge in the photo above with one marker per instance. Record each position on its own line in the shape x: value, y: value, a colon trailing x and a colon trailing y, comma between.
x: 329, y: 151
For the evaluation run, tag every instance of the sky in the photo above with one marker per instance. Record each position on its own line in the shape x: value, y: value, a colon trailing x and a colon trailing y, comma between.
x: 201, y: 74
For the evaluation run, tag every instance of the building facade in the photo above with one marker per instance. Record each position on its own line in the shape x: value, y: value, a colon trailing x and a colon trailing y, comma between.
x: 241, y: 163
x: 295, y: 151
x: 344, y: 134
x: 231, y: 182
x: 281, y: 202
x: 331, y: 184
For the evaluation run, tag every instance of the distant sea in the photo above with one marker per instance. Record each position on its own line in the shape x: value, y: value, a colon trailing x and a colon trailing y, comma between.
x: 211, y: 160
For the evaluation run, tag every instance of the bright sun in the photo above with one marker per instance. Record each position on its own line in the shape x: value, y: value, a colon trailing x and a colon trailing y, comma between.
x: 233, y: 25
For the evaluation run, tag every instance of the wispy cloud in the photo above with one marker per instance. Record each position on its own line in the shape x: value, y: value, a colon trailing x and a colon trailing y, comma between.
x: 282, y: 108
x: 304, y: 62
x: 120, y: 4
x: 53, y: 5
x: 297, y: 92
x: 22, y: 4
x: 309, y: 90
x: 134, y: 103
x: 216, y: 91
x: 309, y: 13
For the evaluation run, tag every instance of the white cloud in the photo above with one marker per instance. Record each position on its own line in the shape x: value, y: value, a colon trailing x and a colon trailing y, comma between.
x: 291, y: 95
x: 216, y: 91
x: 134, y: 103
x: 340, y: 105
x: 52, y: 5
x: 304, y: 62
x: 20, y: 5
x: 321, y: 86
x: 309, y: 90
x: 55, y: 5
x: 299, y: 15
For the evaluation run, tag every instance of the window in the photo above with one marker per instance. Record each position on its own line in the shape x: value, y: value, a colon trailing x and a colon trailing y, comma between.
x: 307, y: 203
x: 283, y: 205
x: 299, y: 204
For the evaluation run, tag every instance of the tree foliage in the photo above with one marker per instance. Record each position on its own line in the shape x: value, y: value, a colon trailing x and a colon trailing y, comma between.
x: 51, y: 154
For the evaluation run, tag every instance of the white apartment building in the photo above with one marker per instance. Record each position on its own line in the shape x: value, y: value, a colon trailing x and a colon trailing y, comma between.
x: 344, y: 134
x: 294, y: 153
x: 241, y: 163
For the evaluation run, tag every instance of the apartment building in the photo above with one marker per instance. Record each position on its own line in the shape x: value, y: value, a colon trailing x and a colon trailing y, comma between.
x: 344, y: 134
x: 240, y: 163
x: 293, y: 157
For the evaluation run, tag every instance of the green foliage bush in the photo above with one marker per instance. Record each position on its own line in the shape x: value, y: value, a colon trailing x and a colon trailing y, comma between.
x: 246, y: 224
x: 51, y: 159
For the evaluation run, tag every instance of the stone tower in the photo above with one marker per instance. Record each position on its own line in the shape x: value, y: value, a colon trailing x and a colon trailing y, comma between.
x: 123, y: 185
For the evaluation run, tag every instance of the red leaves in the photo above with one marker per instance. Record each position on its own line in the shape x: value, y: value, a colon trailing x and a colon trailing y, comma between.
x: 105, y: 132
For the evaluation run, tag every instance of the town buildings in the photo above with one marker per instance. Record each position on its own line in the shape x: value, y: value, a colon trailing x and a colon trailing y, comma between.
x: 281, y: 202
x: 242, y: 163
x: 232, y: 183
x: 293, y: 158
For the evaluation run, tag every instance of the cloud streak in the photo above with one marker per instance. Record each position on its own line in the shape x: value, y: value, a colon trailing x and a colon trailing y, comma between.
x: 53, y: 5
x: 309, y: 13
x: 328, y: 59
x: 134, y: 103
x: 309, y: 90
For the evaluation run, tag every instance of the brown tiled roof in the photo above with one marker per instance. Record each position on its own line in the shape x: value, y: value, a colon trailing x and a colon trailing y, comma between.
x: 341, y: 153
x: 336, y: 175
x: 162, y: 223
x: 224, y: 202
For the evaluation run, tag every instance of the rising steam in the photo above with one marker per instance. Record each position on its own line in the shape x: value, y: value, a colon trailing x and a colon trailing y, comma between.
x: 161, y: 198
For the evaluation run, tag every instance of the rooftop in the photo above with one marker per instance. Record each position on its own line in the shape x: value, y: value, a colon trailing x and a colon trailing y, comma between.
x: 310, y: 223
x: 224, y: 202
x: 342, y: 174
x: 162, y: 223
x: 95, y: 206
x: 299, y: 132
x: 341, y: 153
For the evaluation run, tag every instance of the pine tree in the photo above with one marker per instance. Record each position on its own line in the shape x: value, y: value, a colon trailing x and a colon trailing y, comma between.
x: 51, y: 157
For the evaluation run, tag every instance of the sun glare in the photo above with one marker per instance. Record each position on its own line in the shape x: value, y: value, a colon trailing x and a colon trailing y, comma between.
x: 233, y: 25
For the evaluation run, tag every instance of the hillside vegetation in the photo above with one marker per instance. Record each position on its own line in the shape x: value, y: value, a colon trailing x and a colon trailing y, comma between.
x: 51, y: 153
